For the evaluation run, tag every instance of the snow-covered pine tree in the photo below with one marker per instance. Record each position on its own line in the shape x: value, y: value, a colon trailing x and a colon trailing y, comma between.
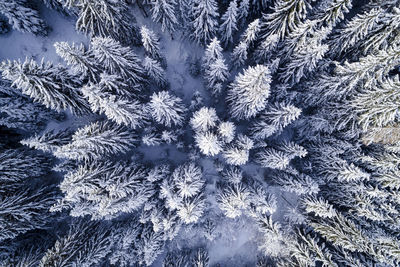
x: 248, y: 93
x: 344, y: 233
x: 233, y: 200
x: 251, y: 33
x: 53, y: 86
x: 104, y: 190
x: 150, y: 42
x: 200, y: 258
x: 332, y: 12
x: 215, y: 70
x: 163, y: 11
x: 226, y: 131
x: 19, y: 165
x: 151, y: 138
x: 229, y: 23
x: 272, y: 158
x: 204, y: 119
x: 23, y: 205
x: 192, y: 209
x: 48, y: 141
x: 303, y: 51
x: 298, y: 183
x: 22, y: 257
x: 148, y: 246
x: 85, y: 244
x: 306, y: 249
x: 105, y: 18
x: 240, y: 54
x: 204, y: 20
x: 274, y: 240
x: 126, y: 235
x: 348, y: 77
x: 354, y: 30
x: 243, y: 11
x: 116, y: 85
x: 232, y: 174
x: 97, y: 140
x: 384, y: 35
x: 264, y: 51
x: 119, y: 109
x: 167, y: 109
x: 273, y: 120
x: 377, y: 107
x: 81, y: 61
x: 184, y: 17
x: 285, y: 17
x: 208, y: 143
x: 24, y: 209
x: 212, y: 52
x: 19, y: 112
x: 237, y: 152
x: 155, y: 71
x: 183, y: 192
x: 22, y: 18
x: 117, y: 59
x: 261, y: 202
x: 305, y: 46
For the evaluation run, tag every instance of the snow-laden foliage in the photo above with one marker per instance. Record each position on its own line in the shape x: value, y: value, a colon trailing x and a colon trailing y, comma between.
x: 155, y: 71
x: 249, y: 92
x: 81, y: 61
x: 120, y: 109
x: 52, y: 86
x: 117, y: 59
x: 204, y: 119
x: 23, y: 206
x: 163, y: 11
x: 204, y: 21
x: 167, y: 109
x: 103, y: 190
x: 150, y: 42
x: 104, y: 18
x: 22, y: 18
x: 18, y: 112
x: 85, y: 244
x: 97, y: 140
x: 183, y: 192
x: 200, y: 133
x: 229, y: 21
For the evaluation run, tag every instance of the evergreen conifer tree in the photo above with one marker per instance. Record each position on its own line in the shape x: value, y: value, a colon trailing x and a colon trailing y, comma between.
x: 167, y: 109
x: 204, y: 22
x: 104, y: 189
x: 105, y: 18
x: 155, y: 71
x: 53, y: 86
x: 163, y: 11
x: 79, y: 59
x: 150, y: 42
x: 229, y: 23
x: 97, y: 140
x: 117, y: 59
x: 249, y: 92
x: 215, y: 69
x: 119, y: 109
x: 22, y: 18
